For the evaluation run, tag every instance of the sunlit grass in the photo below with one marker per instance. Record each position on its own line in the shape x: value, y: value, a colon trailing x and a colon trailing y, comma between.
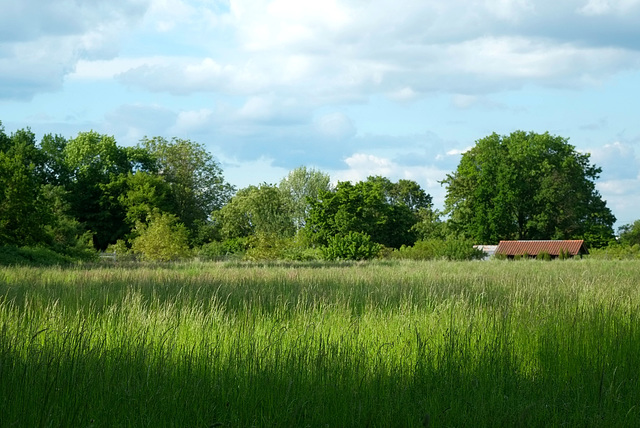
x: 361, y: 344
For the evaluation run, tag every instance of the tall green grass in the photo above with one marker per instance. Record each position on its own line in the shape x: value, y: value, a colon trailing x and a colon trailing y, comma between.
x: 351, y: 344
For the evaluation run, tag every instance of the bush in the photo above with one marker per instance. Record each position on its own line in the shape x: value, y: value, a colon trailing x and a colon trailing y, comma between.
x: 267, y: 246
x: 32, y: 256
x: 163, y: 239
x: 351, y: 246
x: 219, y: 250
x: 543, y: 255
x: 431, y: 249
x: 121, y: 250
x: 616, y: 252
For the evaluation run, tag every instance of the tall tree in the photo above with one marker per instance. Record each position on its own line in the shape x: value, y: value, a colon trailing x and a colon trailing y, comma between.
x: 254, y: 210
x: 527, y: 186
x: 363, y: 208
x: 23, y: 209
x: 406, y: 192
x: 194, y: 177
x: 301, y: 186
x: 95, y: 163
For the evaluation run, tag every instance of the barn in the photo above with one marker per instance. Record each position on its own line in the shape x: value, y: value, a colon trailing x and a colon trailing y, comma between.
x: 555, y: 248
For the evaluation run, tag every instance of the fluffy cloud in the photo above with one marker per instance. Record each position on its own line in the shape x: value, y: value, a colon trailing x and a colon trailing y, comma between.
x: 345, y: 51
x: 41, y: 42
x: 617, y: 160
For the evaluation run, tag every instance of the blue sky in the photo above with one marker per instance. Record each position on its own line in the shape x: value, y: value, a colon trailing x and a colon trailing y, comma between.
x: 352, y: 87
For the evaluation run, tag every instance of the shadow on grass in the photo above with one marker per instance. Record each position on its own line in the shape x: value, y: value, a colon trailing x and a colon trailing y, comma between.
x: 74, y: 380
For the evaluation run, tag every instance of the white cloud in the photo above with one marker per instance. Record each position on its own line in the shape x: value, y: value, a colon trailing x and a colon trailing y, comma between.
x: 617, y: 160
x: 404, y: 94
x: 193, y: 121
x: 335, y: 126
x: 41, y: 42
x: 604, y: 7
x: 456, y: 152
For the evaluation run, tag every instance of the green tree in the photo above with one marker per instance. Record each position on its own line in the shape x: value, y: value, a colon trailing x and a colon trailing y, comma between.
x: 143, y: 194
x: 162, y: 238
x: 364, y: 208
x: 430, y: 225
x: 55, y: 169
x: 255, y: 210
x: 195, y: 179
x: 95, y: 164
x: 301, y: 186
x: 629, y: 234
x: 405, y: 192
x: 526, y: 186
x: 23, y: 209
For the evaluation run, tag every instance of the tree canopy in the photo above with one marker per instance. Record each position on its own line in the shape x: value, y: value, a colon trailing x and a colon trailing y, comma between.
x: 369, y: 207
x: 527, y: 186
x: 301, y: 186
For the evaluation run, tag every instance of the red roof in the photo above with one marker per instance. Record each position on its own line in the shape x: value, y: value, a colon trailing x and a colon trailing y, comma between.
x: 532, y: 248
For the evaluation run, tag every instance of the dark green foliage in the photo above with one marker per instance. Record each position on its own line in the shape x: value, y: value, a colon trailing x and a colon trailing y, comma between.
x: 404, y: 192
x: 435, y: 249
x: 254, y: 210
x: 96, y: 165
x: 351, y: 246
x: 218, y: 250
x: 42, y: 256
x: 24, y: 212
x: 527, y: 186
x: 366, y: 208
x: 195, y: 180
x: 430, y: 225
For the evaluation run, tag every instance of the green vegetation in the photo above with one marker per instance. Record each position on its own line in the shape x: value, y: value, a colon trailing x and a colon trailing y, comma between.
x: 313, y: 344
x: 437, y: 249
x: 167, y: 200
x: 527, y: 186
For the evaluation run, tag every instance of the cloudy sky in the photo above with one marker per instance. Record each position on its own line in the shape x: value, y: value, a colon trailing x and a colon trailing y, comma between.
x: 352, y: 87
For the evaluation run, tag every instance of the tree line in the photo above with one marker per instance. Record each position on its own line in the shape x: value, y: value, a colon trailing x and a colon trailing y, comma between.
x: 167, y: 198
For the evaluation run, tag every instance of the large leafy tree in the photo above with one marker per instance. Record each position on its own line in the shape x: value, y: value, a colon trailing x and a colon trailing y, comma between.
x: 24, y: 211
x: 301, y: 186
x: 404, y: 192
x: 365, y: 207
x: 527, y: 186
x: 256, y: 210
x: 95, y: 164
x: 195, y: 180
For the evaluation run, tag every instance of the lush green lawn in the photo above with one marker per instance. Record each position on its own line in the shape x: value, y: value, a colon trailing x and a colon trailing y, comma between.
x: 380, y: 344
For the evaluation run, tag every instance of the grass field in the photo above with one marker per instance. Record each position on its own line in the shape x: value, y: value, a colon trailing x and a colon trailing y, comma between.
x: 367, y: 344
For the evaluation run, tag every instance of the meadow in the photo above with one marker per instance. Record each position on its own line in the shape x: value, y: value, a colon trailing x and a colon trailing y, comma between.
x: 377, y: 344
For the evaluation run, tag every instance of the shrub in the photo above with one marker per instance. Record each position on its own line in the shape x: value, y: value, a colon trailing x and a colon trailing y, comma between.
x: 34, y: 256
x: 543, y: 255
x: 616, y: 252
x: 266, y: 246
x: 351, y: 246
x: 122, y: 250
x: 563, y: 254
x: 163, y: 239
x: 431, y: 249
x: 218, y: 250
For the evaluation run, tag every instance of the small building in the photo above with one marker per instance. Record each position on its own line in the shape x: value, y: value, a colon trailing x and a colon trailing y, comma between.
x: 554, y: 248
